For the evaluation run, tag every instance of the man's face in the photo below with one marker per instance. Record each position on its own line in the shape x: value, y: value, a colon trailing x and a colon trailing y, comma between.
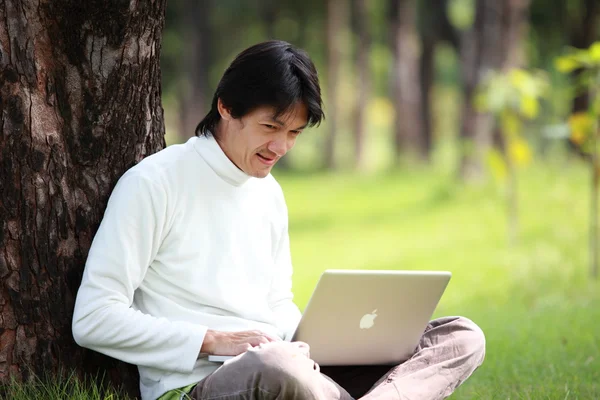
x: 255, y: 142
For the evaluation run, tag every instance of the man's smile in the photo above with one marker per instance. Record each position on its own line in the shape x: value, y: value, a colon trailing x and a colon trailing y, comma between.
x: 266, y: 160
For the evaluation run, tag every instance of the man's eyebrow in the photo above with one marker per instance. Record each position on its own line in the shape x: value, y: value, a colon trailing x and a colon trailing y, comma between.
x: 283, y: 124
x: 300, y: 127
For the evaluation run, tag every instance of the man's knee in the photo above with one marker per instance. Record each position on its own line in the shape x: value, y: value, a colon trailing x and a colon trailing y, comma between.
x: 281, y: 368
x: 470, y: 338
x: 273, y: 371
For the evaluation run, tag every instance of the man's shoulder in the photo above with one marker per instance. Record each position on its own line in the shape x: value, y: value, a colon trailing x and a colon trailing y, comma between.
x: 272, y: 182
x: 275, y: 195
x: 274, y: 187
x: 170, y: 156
x: 157, y: 166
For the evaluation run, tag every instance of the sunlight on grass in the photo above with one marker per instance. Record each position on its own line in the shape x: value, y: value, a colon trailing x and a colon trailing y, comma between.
x: 534, y: 301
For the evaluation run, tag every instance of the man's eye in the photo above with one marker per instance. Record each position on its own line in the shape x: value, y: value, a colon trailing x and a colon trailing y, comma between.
x: 270, y: 126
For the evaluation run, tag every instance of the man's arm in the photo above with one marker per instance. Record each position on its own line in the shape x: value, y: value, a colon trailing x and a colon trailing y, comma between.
x: 134, y: 224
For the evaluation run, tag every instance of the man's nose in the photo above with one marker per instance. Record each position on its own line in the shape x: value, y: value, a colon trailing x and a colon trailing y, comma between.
x: 278, y: 146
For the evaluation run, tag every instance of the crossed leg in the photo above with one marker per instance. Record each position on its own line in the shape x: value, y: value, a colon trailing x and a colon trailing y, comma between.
x: 449, y: 351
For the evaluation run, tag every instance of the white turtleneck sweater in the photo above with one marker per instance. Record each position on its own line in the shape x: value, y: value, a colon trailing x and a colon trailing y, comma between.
x: 188, y: 242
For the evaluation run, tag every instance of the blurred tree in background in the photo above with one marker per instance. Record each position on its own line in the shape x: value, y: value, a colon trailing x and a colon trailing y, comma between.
x: 400, y: 80
x: 361, y: 25
x: 398, y: 76
x: 584, y: 125
x: 512, y: 98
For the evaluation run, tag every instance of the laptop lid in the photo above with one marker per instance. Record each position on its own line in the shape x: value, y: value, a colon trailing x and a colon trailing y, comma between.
x: 361, y: 317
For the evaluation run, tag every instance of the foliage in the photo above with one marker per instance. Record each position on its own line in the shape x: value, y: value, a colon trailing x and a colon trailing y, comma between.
x: 586, y: 63
x: 580, y: 58
x: 461, y: 13
x: 512, y: 97
x: 517, y: 91
x: 581, y: 126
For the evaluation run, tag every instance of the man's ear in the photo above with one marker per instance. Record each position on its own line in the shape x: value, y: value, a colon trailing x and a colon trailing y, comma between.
x: 223, y: 111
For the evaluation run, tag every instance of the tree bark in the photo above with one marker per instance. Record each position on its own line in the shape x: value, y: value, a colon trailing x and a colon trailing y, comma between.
x: 79, y: 105
x: 195, y: 97
x: 408, y: 126
x: 336, y: 10
x: 364, y: 80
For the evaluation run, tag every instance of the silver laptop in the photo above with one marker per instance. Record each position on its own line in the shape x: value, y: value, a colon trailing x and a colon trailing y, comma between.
x: 360, y: 317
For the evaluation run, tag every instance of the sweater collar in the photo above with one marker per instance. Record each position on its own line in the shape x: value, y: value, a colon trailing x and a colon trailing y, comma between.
x: 215, y: 157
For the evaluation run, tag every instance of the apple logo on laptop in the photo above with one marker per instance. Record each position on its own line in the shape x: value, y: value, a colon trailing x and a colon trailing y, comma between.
x: 368, y: 320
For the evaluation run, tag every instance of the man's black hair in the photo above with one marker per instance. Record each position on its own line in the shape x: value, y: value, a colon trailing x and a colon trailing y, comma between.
x: 272, y: 73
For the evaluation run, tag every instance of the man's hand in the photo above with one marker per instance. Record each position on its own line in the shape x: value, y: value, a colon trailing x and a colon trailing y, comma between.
x: 234, y: 343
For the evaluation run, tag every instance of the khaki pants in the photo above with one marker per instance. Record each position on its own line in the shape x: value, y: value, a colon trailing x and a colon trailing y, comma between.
x: 449, y: 351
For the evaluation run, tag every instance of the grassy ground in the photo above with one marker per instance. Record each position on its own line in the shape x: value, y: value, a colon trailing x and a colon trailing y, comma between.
x: 68, y: 388
x: 534, y: 300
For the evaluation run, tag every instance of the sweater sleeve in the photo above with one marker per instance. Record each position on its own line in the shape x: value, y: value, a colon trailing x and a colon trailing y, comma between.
x: 287, y: 314
x: 128, y: 239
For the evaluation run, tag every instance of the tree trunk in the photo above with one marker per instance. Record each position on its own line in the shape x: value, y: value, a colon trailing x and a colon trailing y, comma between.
x: 582, y: 33
x: 512, y: 182
x: 594, y: 204
x: 364, y: 80
x: 407, y: 77
x: 195, y: 97
x: 427, y: 76
x: 512, y: 201
x: 336, y: 10
x: 514, y: 28
x: 79, y: 105
x: 476, y: 129
x: 515, y: 31
x: 494, y: 42
x: 268, y: 10
x: 435, y: 28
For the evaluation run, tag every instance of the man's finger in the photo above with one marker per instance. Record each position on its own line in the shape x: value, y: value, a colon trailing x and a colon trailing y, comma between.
x: 273, y: 338
x: 257, y: 341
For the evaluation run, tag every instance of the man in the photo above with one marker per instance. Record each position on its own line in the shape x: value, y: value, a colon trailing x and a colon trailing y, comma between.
x: 192, y: 259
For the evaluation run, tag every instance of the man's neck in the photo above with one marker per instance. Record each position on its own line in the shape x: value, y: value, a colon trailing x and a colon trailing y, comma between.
x: 221, y: 135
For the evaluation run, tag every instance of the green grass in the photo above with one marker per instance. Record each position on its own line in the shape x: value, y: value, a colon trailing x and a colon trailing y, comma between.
x: 535, y: 302
x: 69, y: 387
